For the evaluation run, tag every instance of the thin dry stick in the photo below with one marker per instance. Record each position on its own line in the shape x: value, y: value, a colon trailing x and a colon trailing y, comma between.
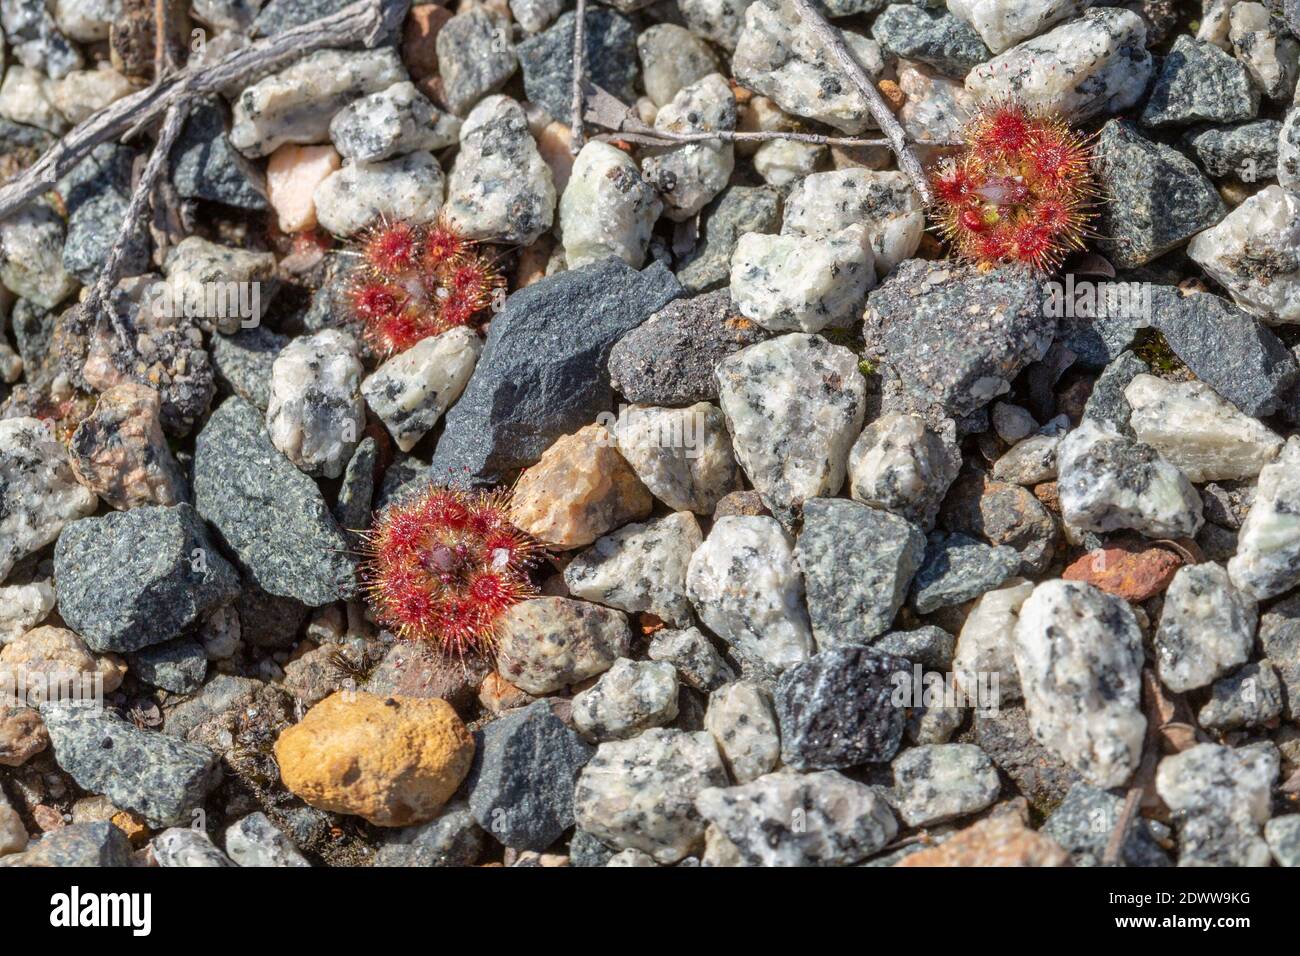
x: 579, y: 76
x: 1116, y: 842
x: 880, y: 111
x: 132, y: 222
x: 363, y: 22
x: 662, y: 137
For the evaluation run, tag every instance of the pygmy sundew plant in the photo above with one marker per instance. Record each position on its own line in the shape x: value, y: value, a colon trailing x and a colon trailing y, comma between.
x: 1021, y: 189
x: 416, y: 281
x: 444, y: 565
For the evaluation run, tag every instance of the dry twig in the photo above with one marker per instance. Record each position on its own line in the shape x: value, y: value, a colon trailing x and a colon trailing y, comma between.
x: 579, y: 76
x: 880, y: 111
x: 605, y: 110
x: 1126, y: 814
x: 133, y: 221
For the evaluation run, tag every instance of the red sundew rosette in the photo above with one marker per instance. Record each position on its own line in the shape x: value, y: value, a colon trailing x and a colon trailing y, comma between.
x: 1021, y: 190
x: 417, y: 281
x: 442, y: 568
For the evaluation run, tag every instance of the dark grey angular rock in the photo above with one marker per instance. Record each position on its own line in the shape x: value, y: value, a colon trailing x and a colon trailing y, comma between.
x: 933, y: 37
x: 404, y: 477
x: 475, y: 57
x: 1086, y: 819
x: 1097, y: 340
x: 1228, y: 349
x: 453, y: 838
x: 1279, y: 636
x: 205, y: 166
x: 1247, y: 151
x: 522, y: 782
x: 1107, y: 403
x: 269, y: 620
x: 957, y: 568
x: 357, y: 488
x: 1250, y: 696
x: 931, y: 647
x: 131, y: 579
x: 669, y: 359
x: 267, y: 512
x: 1157, y: 198
x: 178, y: 666
x: 837, y: 709
x: 857, y: 563
x: 154, y: 774
x: 242, y: 362
x: 1002, y: 514
x: 543, y: 371
x: 33, y: 328
x: 96, y: 194
x: 736, y: 211
x: 612, y: 62
x: 76, y: 845
x: 1200, y: 83
x: 948, y: 337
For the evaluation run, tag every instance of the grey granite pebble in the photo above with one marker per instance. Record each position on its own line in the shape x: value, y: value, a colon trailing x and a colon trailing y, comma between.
x: 933, y: 37
x: 738, y: 210
x: 178, y: 666
x: 205, y: 166
x: 156, y: 775
x: 267, y: 512
x: 668, y: 360
x: 452, y: 838
x: 1158, y: 198
x: 788, y: 819
x: 953, y: 338
x: 1085, y: 820
x: 77, y: 845
x: 1246, y: 150
x: 957, y: 568
x: 521, y: 784
x: 547, y: 60
x: 1200, y: 83
x: 857, y: 563
x: 131, y: 579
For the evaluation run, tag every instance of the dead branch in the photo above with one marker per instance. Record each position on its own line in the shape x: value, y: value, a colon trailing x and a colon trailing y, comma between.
x: 605, y: 110
x: 579, y: 76
x: 365, y: 22
x: 880, y: 111
x: 1127, y: 812
x: 133, y: 220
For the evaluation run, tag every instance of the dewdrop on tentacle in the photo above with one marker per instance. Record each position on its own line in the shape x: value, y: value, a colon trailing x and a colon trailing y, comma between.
x: 1020, y: 190
x: 416, y: 281
x: 442, y: 567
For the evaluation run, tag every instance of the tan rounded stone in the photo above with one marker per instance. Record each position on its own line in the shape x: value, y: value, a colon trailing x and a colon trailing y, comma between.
x: 292, y: 175
x: 45, y: 659
x: 392, y: 760
x: 581, y: 489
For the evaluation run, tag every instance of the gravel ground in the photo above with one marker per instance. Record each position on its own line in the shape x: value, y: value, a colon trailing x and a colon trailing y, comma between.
x: 856, y: 554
